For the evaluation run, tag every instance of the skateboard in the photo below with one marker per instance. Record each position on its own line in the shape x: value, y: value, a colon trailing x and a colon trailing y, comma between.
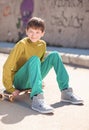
x: 10, y: 97
x: 5, y: 95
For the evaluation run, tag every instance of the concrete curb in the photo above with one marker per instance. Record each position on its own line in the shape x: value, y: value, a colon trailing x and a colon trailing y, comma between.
x: 73, y: 59
x: 5, y: 50
x: 79, y: 60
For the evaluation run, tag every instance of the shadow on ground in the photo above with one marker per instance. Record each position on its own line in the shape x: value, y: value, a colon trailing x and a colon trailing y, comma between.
x: 61, y: 104
x: 14, y: 112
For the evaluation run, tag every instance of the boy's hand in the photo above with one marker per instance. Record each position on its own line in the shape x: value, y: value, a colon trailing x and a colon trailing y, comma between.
x: 16, y: 93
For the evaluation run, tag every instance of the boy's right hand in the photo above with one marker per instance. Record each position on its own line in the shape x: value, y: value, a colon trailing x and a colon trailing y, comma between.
x: 16, y: 93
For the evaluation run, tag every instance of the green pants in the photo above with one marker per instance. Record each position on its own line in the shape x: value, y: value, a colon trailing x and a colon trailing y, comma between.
x: 31, y: 74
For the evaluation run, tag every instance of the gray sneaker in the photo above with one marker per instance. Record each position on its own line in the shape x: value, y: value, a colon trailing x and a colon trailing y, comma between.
x: 38, y: 104
x: 67, y: 95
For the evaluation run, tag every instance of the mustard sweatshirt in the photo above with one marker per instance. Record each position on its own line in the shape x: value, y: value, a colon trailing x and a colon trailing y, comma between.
x: 19, y: 55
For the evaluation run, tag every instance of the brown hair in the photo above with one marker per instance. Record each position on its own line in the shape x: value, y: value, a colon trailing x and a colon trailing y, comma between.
x: 36, y: 23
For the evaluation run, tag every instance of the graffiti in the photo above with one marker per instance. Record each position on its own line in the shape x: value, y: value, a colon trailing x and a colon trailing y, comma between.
x: 18, y: 25
x: 64, y: 21
x: 66, y: 3
x: 26, y: 9
x: 87, y: 11
x: 6, y: 10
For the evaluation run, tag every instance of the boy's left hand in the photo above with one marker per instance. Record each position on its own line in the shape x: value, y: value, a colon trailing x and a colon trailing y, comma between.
x: 16, y: 93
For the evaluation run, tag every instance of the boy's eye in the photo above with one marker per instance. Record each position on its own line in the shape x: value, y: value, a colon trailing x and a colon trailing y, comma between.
x: 37, y: 32
x: 30, y: 32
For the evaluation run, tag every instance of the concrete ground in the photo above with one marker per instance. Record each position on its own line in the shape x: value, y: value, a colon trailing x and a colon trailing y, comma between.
x: 19, y: 115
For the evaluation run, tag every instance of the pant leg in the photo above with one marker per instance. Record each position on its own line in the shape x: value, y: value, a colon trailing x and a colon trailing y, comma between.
x: 29, y: 76
x: 54, y: 60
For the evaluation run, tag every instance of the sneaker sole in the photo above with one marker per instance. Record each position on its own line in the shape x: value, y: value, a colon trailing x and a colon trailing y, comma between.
x: 44, y: 112
x: 75, y: 103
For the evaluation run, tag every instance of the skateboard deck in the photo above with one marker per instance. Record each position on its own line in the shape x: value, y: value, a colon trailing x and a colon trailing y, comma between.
x: 10, y: 97
x: 5, y: 95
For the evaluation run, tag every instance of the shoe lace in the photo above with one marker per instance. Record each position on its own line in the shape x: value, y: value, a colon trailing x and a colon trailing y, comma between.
x: 43, y: 103
x: 74, y: 96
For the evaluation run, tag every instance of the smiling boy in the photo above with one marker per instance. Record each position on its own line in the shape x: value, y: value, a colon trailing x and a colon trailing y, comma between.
x: 27, y: 66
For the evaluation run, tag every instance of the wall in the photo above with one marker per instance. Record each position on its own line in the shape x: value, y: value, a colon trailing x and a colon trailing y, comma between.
x: 67, y: 21
x: 9, y: 12
x: 14, y: 15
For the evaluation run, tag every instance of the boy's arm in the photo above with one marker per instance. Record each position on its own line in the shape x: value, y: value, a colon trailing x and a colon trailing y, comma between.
x: 10, y: 68
x: 8, y: 80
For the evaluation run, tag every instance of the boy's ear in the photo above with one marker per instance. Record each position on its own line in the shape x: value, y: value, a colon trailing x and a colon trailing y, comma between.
x: 43, y: 33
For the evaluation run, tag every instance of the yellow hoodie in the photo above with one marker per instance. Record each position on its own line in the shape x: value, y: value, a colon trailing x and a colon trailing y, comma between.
x: 19, y: 55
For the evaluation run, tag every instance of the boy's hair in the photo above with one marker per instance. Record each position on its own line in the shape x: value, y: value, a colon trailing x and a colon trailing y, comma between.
x: 36, y: 23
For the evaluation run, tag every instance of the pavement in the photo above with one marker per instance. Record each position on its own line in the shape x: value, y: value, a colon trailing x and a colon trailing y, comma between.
x: 18, y: 115
x: 73, y: 56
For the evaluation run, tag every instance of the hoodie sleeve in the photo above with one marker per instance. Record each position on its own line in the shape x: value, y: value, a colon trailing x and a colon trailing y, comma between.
x: 10, y: 67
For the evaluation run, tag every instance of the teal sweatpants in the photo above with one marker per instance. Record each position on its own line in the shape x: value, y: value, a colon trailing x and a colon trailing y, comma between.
x: 31, y: 74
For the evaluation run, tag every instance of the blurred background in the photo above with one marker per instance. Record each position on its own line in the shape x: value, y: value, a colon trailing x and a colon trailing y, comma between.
x: 67, y: 21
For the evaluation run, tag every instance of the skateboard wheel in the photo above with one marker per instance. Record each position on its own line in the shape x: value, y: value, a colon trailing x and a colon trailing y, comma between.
x: 11, y: 98
x: 1, y: 97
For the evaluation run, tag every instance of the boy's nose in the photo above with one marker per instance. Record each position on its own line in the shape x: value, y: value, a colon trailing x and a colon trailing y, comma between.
x: 33, y: 34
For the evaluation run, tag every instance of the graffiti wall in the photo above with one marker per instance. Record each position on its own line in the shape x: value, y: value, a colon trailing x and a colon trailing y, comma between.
x: 67, y: 21
x: 9, y: 11
x: 14, y: 15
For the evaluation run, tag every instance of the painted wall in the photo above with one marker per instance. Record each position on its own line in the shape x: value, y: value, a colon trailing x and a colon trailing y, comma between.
x: 14, y: 15
x: 9, y: 14
x: 67, y: 21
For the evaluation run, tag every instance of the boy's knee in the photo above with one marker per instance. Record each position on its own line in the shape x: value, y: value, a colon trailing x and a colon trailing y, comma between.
x: 34, y: 59
x: 56, y: 54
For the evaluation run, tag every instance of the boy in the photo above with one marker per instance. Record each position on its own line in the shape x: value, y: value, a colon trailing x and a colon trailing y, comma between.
x: 26, y: 67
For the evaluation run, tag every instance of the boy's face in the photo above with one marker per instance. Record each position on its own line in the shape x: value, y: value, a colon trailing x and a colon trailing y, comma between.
x: 34, y: 34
